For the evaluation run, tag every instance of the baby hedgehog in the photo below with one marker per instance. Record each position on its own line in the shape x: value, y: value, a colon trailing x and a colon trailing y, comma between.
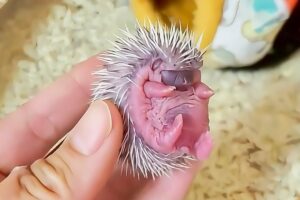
x: 154, y: 78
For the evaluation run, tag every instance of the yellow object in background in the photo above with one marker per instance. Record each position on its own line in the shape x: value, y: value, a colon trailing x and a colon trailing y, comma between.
x: 144, y: 10
x: 207, y: 18
x: 201, y: 16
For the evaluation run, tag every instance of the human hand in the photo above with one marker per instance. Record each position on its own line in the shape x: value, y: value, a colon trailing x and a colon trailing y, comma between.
x: 83, y: 167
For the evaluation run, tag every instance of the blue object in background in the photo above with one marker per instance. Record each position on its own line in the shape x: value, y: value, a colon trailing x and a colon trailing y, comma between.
x: 264, y: 6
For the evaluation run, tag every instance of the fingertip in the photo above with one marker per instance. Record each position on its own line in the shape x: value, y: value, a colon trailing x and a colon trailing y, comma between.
x: 117, y: 120
x: 92, y: 129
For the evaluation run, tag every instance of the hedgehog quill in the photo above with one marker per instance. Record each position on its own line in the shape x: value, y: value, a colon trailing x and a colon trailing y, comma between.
x: 154, y: 77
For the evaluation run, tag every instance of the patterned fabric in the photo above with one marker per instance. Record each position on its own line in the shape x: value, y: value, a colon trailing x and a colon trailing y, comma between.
x: 247, y: 31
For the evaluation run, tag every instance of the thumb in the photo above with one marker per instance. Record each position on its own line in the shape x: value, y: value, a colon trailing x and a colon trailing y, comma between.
x: 79, y: 168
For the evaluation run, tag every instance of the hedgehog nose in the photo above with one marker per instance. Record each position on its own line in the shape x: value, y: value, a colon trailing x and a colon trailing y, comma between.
x: 181, y: 79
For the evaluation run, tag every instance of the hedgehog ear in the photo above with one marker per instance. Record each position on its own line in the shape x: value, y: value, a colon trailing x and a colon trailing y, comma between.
x: 156, y: 64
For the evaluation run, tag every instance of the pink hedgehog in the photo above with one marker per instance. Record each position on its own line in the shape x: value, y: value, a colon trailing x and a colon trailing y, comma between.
x: 154, y: 78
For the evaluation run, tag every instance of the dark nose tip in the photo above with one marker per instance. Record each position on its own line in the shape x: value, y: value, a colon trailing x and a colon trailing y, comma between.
x: 180, y: 78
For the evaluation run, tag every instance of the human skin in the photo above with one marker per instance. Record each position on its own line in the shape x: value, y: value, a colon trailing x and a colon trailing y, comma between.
x: 83, y: 170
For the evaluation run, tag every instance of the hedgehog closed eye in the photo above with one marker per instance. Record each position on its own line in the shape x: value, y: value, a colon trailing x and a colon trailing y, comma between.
x: 164, y: 103
x: 180, y: 78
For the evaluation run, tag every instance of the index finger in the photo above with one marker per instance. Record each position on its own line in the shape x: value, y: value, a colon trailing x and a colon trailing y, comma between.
x: 29, y: 132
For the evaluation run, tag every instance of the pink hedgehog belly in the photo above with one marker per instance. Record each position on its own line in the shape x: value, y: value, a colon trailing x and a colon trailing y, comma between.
x: 170, y: 120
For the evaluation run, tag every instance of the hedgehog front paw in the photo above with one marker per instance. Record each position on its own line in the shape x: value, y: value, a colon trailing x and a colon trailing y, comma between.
x: 203, y: 91
x: 157, y: 90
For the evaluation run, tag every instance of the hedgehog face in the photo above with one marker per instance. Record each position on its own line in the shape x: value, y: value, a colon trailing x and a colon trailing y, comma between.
x: 169, y: 107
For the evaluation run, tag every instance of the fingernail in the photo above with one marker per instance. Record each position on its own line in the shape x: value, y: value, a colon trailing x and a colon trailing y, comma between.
x: 92, y: 129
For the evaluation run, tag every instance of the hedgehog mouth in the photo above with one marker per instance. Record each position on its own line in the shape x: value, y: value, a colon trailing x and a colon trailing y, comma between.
x: 181, y: 79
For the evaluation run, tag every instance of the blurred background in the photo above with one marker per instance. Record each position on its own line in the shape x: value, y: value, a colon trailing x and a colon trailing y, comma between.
x: 252, y: 63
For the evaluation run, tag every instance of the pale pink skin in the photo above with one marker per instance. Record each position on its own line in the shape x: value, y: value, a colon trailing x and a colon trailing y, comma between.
x: 170, y: 120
